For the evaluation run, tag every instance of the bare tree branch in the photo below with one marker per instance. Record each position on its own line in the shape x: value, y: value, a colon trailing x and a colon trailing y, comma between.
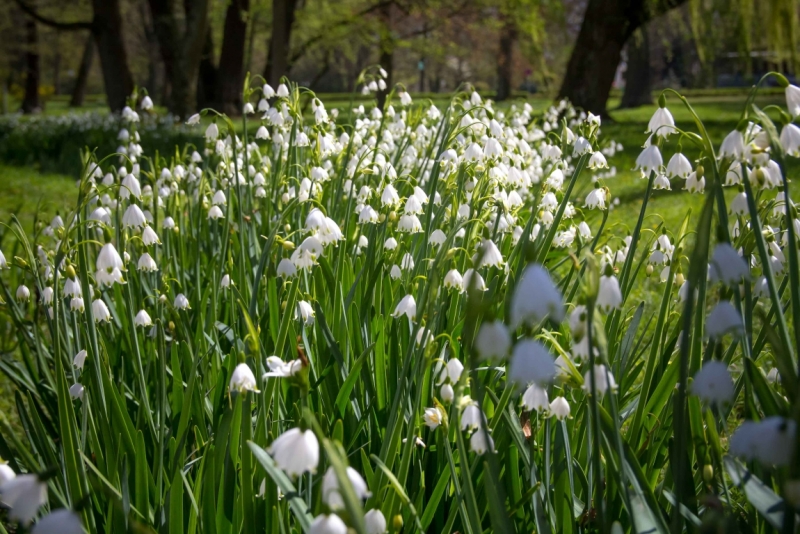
x: 66, y: 26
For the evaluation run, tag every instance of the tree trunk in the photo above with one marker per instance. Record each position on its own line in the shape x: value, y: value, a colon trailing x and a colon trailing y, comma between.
x: 107, y: 30
x: 57, y: 66
x: 181, y: 38
x: 231, y: 60
x: 79, y: 91
x: 283, y: 12
x: 387, y: 52
x: 31, y: 103
x: 508, y: 36
x: 607, y: 25
x: 207, y: 76
x: 638, y: 76
x: 155, y: 75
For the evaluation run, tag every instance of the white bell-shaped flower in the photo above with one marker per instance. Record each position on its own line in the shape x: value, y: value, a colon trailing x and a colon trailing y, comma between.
x: 296, y: 451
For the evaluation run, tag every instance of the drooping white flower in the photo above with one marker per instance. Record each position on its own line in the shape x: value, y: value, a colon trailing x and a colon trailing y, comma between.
x: 535, y: 298
x: 723, y: 319
x: 777, y: 439
x: 792, y: 93
x: 286, y: 269
x: 3, y: 262
x: 596, y: 199
x: 212, y: 132
x: 23, y: 495
x: 609, y: 295
x: 79, y: 359
x: 331, y: 494
x: 242, y: 379
x: 23, y: 293
x: 279, y: 368
x: 432, y: 417
x: 193, y: 120
x: 695, y: 184
x: 679, y: 166
x: 473, y: 281
x: 489, y: 254
x: 61, y: 521
x: 597, y: 161
x: 296, y: 451
x: 374, y: 519
x: 732, y: 146
x: 559, y: 408
x: 661, y: 123
x: 142, y: 319
x: 649, y: 160
x: 727, y: 266
x: 471, y: 416
x: 604, y: 380
x: 410, y: 224
x: 407, y: 306
x: 480, y: 442
x: 214, y: 212
x: 305, y: 312
x: 146, y: 263
x: 535, y: 399
x: 6, y: 473
x: 713, y: 383
x: 493, y: 340
x: 531, y: 363
x: 739, y: 204
x: 108, y: 258
x: 76, y: 391
x: 149, y: 237
x: 100, y: 311
x: 453, y: 280
x: 790, y: 140
x: 446, y: 392
x: 181, y: 302
x: 327, y: 524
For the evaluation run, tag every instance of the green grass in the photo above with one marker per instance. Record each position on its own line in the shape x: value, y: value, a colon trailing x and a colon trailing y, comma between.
x: 32, y: 195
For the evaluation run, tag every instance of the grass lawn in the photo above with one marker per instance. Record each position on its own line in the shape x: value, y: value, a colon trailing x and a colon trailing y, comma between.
x: 33, y: 196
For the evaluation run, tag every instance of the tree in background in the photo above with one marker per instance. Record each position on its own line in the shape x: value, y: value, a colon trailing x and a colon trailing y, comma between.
x: 79, y: 91
x: 279, y: 62
x: 607, y: 26
x: 106, y: 29
x: 638, y: 76
x: 30, y: 102
x: 230, y: 73
x: 181, y: 32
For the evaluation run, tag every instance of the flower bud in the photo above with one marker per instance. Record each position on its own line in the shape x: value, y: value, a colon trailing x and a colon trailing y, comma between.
x: 397, y: 522
x: 708, y: 473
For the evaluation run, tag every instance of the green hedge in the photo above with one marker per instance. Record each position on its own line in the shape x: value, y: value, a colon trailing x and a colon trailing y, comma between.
x: 54, y: 143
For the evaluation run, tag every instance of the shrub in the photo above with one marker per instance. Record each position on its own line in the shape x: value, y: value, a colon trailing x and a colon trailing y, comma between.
x: 55, y: 142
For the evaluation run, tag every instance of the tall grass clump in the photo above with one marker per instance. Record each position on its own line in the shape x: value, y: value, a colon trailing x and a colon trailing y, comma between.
x: 403, y: 319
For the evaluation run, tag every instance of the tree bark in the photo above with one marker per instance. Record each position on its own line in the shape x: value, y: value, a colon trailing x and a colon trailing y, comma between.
x: 638, y: 76
x: 57, y: 67
x: 508, y: 36
x: 107, y: 30
x: 207, y: 75
x: 181, y: 37
x: 230, y: 75
x: 31, y: 102
x: 79, y: 91
x: 607, y: 25
x: 387, y: 44
x: 283, y: 13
